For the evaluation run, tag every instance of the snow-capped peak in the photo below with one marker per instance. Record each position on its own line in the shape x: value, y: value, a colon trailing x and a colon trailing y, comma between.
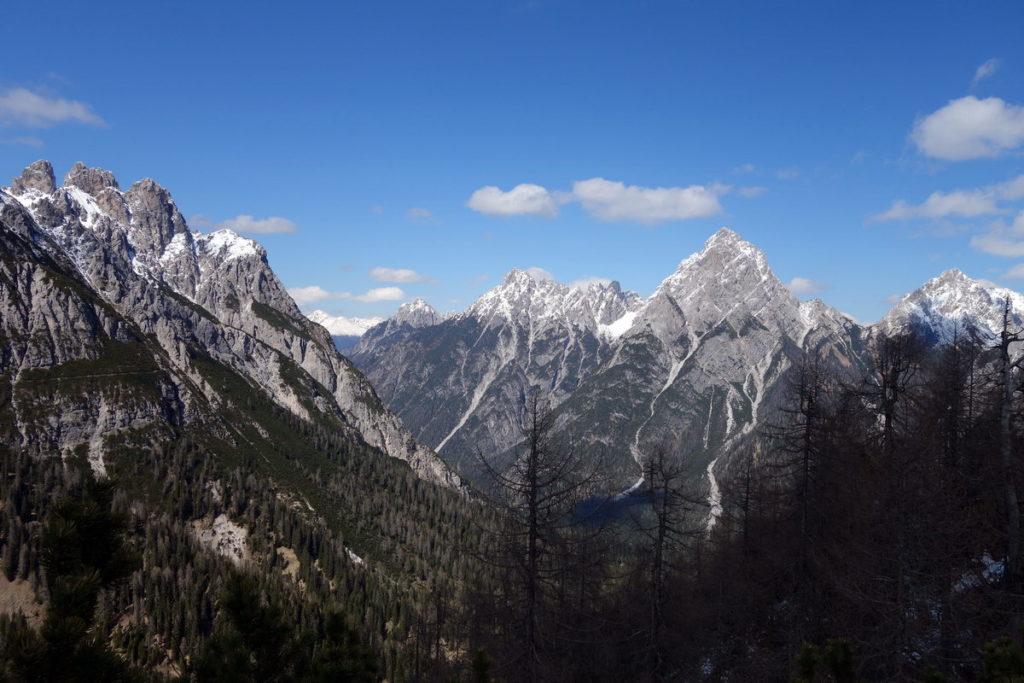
x: 953, y: 299
x: 229, y: 245
x: 341, y: 326
x: 532, y: 298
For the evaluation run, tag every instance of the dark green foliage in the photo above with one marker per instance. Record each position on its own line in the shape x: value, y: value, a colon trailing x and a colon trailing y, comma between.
x: 254, y: 643
x: 82, y: 552
x: 832, y: 663
x: 1003, y: 662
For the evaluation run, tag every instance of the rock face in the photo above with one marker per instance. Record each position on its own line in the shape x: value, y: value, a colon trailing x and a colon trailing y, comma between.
x: 696, y: 367
x: 462, y: 380
x: 91, y: 274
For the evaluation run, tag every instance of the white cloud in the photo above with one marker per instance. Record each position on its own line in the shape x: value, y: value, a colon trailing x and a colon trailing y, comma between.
x: 403, y: 275
x: 801, y: 285
x: 309, y: 295
x: 525, y: 199
x: 751, y: 192
x: 965, y: 203
x: 419, y: 212
x: 787, y: 173
x: 608, y: 200
x: 261, y: 226
x: 893, y: 299
x: 27, y: 141
x: 986, y: 70
x: 969, y: 128
x: 745, y: 168
x: 381, y: 294
x: 1010, y: 191
x: 201, y: 221
x: 1002, y: 239
x: 1015, y: 273
x: 585, y: 283
x: 24, y: 107
x: 539, y: 274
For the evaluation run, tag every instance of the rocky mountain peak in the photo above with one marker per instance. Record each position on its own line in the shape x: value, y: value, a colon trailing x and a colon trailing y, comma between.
x: 227, y: 245
x: 155, y: 217
x: 36, y: 176
x: 726, y: 263
x: 952, y: 300
x: 417, y: 313
x: 90, y: 180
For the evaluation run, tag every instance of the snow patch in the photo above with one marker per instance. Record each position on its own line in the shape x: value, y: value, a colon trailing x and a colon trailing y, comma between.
x: 229, y: 245
x: 619, y: 327
x: 988, y: 571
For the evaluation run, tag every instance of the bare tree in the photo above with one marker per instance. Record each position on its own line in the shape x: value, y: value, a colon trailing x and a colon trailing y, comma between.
x: 537, y: 537
x: 1009, y: 384
x: 669, y: 524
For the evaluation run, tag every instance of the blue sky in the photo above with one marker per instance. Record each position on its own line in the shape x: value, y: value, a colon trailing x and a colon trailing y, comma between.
x: 365, y: 128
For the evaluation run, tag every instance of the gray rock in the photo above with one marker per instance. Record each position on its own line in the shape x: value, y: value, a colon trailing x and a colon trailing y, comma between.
x: 132, y: 255
x: 89, y: 180
x: 37, y: 176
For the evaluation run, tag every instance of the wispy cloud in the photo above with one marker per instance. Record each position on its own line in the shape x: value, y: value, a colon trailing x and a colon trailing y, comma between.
x: 419, y: 214
x: 969, y: 128
x: 20, y: 106
x: 1001, y: 239
x: 262, y: 226
x: 802, y: 285
x: 893, y: 299
x: 26, y: 141
x: 985, y: 70
x: 971, y: 203
x: 304, y: 296
x: 539, y: 274
x: 401, y: 275
x: 751, y: 192
x: 585, y: 283
x: 246, y: 224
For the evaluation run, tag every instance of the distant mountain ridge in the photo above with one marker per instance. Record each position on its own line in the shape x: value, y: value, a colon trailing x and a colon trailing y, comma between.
x: 695, y: 366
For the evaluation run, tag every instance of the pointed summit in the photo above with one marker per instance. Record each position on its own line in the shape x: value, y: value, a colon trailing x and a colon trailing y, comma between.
x: 417, y: 313
x: 90, y: 180
x: 950, y: 302
x: 726, y: 257
x: 36, y: 176
x: 154, y: 214
x: 724, y: 236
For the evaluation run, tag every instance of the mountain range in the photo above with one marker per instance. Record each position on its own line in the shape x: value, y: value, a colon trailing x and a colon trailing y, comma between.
x: 695, y: 367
